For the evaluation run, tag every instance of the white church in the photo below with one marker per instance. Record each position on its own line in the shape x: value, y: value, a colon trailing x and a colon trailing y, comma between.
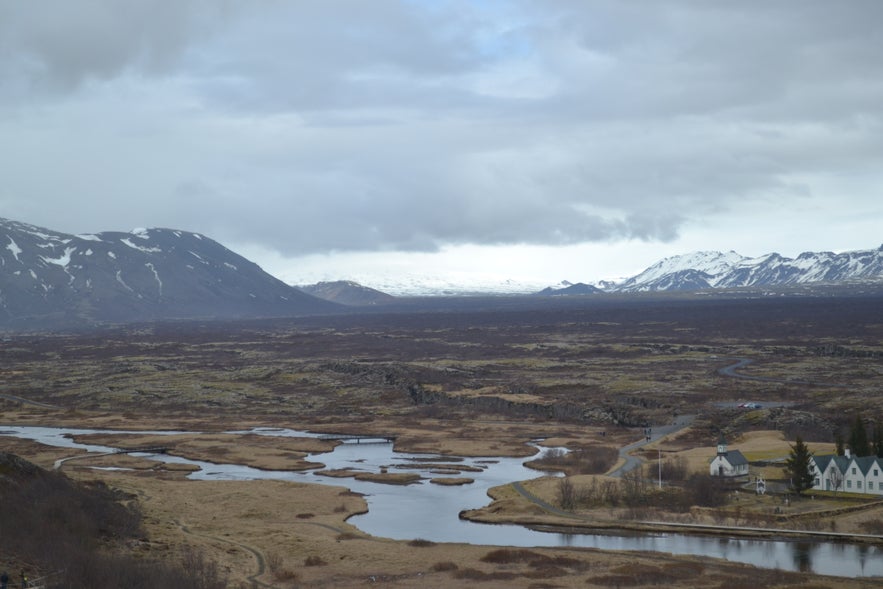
x: 728, y: 463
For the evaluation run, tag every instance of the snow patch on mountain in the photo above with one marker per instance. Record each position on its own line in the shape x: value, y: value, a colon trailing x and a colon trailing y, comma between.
x: 140, y: 248
x: 413, y: 285
x: 13, y: 247
x: 63, y: 260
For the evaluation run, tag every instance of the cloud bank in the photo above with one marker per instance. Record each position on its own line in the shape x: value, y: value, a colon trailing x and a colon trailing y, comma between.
x: 352, y: 126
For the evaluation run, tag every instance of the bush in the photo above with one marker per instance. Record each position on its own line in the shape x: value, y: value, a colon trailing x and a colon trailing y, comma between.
x: 674, y: 469
x: 511, y: 555
x: 566, y: 493
x: 704, y: 491
x: 421, y: 543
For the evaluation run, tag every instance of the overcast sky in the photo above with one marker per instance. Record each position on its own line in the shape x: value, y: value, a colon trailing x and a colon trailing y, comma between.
x: 536, y: 140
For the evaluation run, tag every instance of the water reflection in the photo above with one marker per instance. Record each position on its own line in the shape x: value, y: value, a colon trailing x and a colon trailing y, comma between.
x: 803, y: 556
x: 431, y: 512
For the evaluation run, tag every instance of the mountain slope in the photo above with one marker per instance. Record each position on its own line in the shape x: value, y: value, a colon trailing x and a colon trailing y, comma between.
x: 347, y: 292
x: 568, y: 289
x: 51, y: 279
x: 702, y: 270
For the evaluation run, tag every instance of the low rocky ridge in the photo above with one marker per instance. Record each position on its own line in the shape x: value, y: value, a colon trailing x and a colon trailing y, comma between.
x: 347, y: 292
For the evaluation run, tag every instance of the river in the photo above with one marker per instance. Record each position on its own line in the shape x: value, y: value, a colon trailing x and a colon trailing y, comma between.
x: 431, y: 512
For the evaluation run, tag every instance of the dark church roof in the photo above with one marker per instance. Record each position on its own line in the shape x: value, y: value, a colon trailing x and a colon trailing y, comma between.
x: 735, y: 458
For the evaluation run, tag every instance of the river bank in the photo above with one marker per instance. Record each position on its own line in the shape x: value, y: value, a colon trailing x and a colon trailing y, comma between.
x: 358, y: 515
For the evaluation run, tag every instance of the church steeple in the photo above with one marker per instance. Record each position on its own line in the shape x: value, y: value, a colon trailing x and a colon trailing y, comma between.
x: 722, y: 446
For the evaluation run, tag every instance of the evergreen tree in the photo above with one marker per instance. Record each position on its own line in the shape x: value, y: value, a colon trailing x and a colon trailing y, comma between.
x: 858, y: 438
x: 798, y: 468
x: 839, y: 443
x: 878, y: 440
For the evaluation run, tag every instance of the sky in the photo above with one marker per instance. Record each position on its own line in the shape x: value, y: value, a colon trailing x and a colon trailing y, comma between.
x: 456, y: 141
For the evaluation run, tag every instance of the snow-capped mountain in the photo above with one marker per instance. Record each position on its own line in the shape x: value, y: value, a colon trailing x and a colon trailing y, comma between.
x: 51, y: 279
x: 434, y: 285
x: 703, y: 270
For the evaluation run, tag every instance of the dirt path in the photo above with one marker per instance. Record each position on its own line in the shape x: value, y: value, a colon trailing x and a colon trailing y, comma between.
x: 256, y: 554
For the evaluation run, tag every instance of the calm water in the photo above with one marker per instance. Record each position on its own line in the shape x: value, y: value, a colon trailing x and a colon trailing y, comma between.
x: 431, y: 511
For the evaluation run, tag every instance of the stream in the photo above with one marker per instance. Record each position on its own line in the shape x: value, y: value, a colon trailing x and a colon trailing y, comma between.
x: 431, y: 512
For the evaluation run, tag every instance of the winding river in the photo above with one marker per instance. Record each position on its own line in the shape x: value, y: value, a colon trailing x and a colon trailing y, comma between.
x: 431, y: 512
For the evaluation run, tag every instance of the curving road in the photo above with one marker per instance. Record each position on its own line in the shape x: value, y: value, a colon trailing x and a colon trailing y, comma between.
x: 730, y: 370
x: 656, y: 432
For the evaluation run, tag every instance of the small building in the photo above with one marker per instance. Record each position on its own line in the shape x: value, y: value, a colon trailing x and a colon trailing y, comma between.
x: 728, y: 463
x: 847, y: 473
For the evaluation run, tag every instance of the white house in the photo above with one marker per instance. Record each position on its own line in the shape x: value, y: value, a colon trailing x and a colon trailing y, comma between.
x: 848, y: 473
x: 728, y: 463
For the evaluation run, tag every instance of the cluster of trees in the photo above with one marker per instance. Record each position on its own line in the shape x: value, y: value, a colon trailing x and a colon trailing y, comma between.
x: 860, y: 444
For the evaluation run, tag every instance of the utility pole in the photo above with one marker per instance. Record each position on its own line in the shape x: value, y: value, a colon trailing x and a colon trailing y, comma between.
x: 659, y: 449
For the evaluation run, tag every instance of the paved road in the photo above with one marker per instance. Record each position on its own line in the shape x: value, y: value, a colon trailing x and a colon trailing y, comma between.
x: 537, y: 501
x: 656, y: 432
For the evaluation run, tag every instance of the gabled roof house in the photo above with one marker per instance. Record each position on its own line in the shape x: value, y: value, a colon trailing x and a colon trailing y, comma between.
x: 848, y: 473
x: 728, y: 463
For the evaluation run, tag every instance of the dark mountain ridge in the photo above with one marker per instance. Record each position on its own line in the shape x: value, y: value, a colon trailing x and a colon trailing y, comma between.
x: 50, y: 279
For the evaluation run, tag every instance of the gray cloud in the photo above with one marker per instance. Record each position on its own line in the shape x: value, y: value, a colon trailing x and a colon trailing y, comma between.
x: 55, y: 46
x: 373, y: 126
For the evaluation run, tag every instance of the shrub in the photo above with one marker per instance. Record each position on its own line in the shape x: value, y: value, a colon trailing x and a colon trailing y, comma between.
x: 674, y: 469
x: 704, y: 491
x: 421, y: 543
x: 511, y: 555
x: 566, y: 493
